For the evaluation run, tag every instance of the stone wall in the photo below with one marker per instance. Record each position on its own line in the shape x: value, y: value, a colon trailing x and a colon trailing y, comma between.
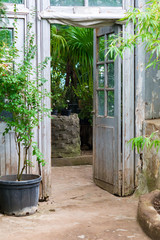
x: 149, y: 176
x: 65, y: 136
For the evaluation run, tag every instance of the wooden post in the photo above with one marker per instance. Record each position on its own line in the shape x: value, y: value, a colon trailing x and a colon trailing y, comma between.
x: 41, y: 28
x: 140, y: 92
x: 43, y: 31
x: 128, y: 112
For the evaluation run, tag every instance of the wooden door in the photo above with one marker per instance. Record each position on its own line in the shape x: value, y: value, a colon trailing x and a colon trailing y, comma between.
x: 107, y: 114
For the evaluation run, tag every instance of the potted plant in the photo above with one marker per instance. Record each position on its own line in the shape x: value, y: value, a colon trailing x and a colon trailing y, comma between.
x: 21, y: 94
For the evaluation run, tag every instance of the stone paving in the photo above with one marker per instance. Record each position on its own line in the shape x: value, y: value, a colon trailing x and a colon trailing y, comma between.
x: 77, y: 210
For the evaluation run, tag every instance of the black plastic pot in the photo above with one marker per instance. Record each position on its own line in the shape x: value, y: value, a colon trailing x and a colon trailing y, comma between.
x: 19, y: 198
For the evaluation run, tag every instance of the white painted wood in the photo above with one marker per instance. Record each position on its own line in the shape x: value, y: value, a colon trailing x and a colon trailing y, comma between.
x: 57, y: 12
x: 46, y: 123
x: 8, y: 152
x: 86, y: 3
x: 21, y: 9
x: 95, y: 52
x: 2, y: 155
x: 70, y: 9
x: 92, y: 17
x: 128, y: 113
x: 31, y: 4
x: 38, y: 43
x: 140, y: 93
x: 14, y: 157
x: 7, y: 155
x: 86, y: 10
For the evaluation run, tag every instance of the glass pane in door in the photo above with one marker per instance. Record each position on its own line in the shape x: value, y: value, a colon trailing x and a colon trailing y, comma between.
x: 101, y: 49
x: 101, y: 77
x: 111, y: 75
x: 110, y: 103
x: 106, y: 3
x: 101, y: 104
x: 110, y: 38
x: 67, y: 2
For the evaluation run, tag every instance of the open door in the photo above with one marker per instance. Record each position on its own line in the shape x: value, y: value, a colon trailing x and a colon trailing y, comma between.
x: 107, y: 114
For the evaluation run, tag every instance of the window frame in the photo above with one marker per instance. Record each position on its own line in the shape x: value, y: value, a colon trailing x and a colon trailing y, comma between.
x: 106, y: 89
x: 23, y: 2
x: 86, y: 4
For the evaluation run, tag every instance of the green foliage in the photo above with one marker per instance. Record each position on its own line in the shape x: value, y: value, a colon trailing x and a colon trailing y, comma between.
x: 147, y: 32
x: 21, y: 93
x: 140, y: 142
x: 84, y: 93
x: 80, y: 42
x: 58, y: 94
x: 2, y: 11
x: 149, y: 175
x: 5, y: 37
x: 72, y: 64
x: 12, y: 1
x: 74, y: 45
x: 58, y: 44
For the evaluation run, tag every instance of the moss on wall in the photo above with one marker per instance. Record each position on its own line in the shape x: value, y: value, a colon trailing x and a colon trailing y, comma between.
x: 149, y: 177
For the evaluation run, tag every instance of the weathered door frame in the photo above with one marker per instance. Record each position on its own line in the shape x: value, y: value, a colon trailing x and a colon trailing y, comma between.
x: 42, y: 29
x: 127, y: 175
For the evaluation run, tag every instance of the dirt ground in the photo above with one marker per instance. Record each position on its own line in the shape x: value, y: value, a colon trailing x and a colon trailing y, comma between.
x: 77, y: 210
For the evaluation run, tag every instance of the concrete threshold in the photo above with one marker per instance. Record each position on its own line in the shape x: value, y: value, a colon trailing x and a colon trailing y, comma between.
x: 72, y: 161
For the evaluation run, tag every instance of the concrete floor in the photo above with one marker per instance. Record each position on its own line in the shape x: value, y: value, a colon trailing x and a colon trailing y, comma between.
x: 77, y: 210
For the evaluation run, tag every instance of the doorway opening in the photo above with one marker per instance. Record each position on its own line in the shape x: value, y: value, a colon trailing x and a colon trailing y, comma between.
x: 72, y: 92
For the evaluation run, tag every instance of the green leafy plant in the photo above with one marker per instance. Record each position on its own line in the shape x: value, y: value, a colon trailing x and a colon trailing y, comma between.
x: 2, y: 10
x: 140, y: 142
x: 21, y: 93
x: 149, y: 174
x: 147, y: 32
x: 84, y: 93
x: 72, y: 64
x: 58, y: 94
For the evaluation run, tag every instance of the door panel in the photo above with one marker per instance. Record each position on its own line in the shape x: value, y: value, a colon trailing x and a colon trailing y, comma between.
x: 107, y: 119
x: 105, y: 154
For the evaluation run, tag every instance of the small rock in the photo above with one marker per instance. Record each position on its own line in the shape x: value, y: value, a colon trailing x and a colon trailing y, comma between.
x: 81, y: 237
x: 121, y: 230
x: 52, y: 210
